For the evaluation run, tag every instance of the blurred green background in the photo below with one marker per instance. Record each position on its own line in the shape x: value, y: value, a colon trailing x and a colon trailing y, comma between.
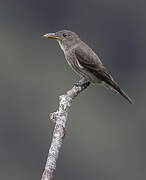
x: 106, y: 135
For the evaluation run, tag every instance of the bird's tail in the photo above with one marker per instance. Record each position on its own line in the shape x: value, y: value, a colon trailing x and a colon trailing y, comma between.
x: 114, y: 86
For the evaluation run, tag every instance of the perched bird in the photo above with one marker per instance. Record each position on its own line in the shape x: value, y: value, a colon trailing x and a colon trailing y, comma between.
x: 84, y: 61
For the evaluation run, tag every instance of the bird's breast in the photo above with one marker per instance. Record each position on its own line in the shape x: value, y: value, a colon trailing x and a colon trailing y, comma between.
x: 78, y: 68
x: 70, y: 57
x: 74, y: 63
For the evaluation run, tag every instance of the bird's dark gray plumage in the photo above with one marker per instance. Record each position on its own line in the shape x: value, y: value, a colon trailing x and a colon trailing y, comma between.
x: 84, y: 61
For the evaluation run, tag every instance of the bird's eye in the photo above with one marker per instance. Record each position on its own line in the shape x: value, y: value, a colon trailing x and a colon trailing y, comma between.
x: 64, y: 35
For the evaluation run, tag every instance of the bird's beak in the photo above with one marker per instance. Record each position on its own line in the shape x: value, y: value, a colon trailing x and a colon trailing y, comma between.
x: 52, y: 35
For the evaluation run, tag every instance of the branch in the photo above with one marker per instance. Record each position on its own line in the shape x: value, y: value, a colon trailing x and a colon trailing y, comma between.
x: 60, y: 118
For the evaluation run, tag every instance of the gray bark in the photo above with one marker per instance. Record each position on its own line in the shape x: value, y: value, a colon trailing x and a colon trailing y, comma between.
x: 60, y: 118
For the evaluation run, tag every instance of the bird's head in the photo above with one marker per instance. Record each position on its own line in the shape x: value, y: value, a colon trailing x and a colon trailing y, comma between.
x: 66, y: 38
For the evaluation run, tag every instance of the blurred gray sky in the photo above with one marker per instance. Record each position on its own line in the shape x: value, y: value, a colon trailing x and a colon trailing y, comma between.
x: 105, y: 135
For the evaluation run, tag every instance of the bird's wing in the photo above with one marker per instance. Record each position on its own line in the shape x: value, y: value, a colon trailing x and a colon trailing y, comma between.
x: 91, y: 62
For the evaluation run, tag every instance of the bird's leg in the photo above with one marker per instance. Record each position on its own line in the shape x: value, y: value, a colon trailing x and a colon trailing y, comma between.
x: 83, y: 83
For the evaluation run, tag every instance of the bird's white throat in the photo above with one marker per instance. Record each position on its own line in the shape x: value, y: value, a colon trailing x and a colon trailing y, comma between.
x: 65, y: 48
x: 62, y: 47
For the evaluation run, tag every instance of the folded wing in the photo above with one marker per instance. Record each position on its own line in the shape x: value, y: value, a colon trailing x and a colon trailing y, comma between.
x: 90, y: 61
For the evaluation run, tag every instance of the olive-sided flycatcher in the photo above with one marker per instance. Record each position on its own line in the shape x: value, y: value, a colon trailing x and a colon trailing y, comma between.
x: 84, y: 61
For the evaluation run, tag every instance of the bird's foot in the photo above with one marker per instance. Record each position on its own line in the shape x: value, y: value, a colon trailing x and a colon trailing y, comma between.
x: 82, y: 84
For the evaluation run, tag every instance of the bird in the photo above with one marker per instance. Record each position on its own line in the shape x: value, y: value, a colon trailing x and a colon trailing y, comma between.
x: 85, y: 62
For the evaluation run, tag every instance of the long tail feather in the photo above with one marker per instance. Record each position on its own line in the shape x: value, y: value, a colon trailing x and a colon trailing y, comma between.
x: 115, y: 86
